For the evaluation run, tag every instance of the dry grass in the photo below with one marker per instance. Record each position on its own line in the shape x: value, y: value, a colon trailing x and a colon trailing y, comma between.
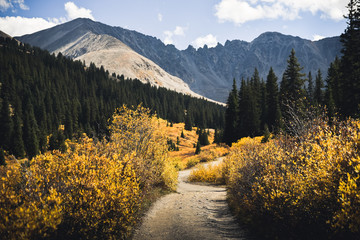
x: 185, y: 157
x: 210, y: 173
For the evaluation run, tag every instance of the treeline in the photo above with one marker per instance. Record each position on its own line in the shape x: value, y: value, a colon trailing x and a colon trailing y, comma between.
x: 45, y: 95
x: 262, y: 106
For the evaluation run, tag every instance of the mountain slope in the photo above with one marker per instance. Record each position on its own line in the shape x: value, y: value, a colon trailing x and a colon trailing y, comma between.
x: 208, y: 71
x: 116, y: 57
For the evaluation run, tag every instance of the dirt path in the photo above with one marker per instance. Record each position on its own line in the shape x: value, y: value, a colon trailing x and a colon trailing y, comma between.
x: 194, y: 212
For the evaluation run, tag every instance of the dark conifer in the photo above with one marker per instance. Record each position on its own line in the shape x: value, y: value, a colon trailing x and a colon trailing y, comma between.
x: 272, y: 95
x: 333, y: 91
x: 231, y: 116
x: 292, y: 85
x: 310, y: 89
x: 350, y: 62
x: 198, y: 148
x: 188, y: 122
x: 6, y: 124
x: 17, y: 144
x: 2, y: 158
x: 182, y: 134
x: 30, y: 132
x: 318, y: 92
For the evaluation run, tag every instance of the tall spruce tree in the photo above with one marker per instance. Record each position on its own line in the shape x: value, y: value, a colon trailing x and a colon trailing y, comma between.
x: 188, y: 122
x: 272, y: 99
x: 292, y: 85
x: 318, y: 92
x: 310, y: 88
x: 17, y: 144
x: 6, y: 124
x: 231, y: 116
x: 292, y: 91
x: 249, y: 115
x: 333, y: 91
x: 350, y: 62
x: 30, y: 132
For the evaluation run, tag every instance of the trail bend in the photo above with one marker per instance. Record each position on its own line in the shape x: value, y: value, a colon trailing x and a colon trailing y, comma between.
x: 195, y: 211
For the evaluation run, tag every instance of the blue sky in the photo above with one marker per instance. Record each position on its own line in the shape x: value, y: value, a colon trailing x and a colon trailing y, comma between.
x: 185, y: 22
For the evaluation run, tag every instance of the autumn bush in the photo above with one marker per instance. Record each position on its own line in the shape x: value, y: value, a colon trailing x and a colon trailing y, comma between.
x: 299, y: 187
x: 92, y: 190
x: 210, y: 174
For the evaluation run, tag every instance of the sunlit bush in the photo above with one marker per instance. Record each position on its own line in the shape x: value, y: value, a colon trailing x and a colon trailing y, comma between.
x: 306, y: 184
x: 210, y: 173
x: 93, y: 189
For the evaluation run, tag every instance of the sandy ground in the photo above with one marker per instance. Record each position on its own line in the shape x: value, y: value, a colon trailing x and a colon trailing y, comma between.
x: 194, y: 212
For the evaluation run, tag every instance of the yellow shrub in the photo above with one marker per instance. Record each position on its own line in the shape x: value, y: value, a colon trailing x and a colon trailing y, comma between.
x: 314, y: 181
x: 210, y: 173
x: 192, y: 161
x: 93, y: 190
x: 27, y: 211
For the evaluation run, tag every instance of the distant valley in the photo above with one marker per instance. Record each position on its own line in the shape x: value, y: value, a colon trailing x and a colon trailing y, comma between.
x: 207, y: 71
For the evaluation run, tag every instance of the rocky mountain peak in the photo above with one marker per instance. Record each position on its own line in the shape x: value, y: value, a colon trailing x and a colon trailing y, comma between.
x: 208, y: 71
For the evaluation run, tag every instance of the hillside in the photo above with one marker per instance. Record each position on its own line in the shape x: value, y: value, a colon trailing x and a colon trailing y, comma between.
x: 116, y: 57
x: 46, y: 95
x: 208, y: 71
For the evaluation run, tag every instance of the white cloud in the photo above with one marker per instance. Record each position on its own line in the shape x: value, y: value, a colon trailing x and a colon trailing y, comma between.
x: 168, y: 37
x: 209, y: 40
x: 179, y: 31
x: 18, y: 26
x: 241, y: 11
x: 21, y: 4
x: 160, y: 17
x: 317, y: 37
x: 74, y: 11
x: 6, y: 4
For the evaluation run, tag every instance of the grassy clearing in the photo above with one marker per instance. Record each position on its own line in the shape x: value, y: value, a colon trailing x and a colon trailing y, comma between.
x: 185, y: 157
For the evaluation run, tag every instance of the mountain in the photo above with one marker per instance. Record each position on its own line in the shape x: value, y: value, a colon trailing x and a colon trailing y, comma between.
x: 4, y: 35
x: 208, y: 71
x: 116, y: 57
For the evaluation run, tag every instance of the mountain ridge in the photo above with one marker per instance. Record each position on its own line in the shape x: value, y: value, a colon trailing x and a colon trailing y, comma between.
x: 208, y: 71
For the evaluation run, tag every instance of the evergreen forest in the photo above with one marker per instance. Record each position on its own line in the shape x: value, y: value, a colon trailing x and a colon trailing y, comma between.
x: 45, y: 99
x: 262, y: 106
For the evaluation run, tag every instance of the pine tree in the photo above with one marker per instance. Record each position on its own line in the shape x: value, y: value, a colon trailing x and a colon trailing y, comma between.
x: 217, y: 136
x: 350, y: 62
x: 272, y: 95
x: 333, y: 91
x: 293, y: 82
x: 30, y: 132
x: 292, y: 91
x: 198, y: 148
x: 310, y: 89
x: 231, y: 116
x: 6, y: 125
x: 266, y: 134
x: 203, y: 138
x: 17, y: 144
x: 249, y: 115
x: 318, y: 92
x: 188, y: 122
x: 2, y: 158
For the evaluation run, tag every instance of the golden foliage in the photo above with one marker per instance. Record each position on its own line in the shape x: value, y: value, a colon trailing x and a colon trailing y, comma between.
x: 93, y: 189
x: 210, y: 173
x: 307, y: 182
